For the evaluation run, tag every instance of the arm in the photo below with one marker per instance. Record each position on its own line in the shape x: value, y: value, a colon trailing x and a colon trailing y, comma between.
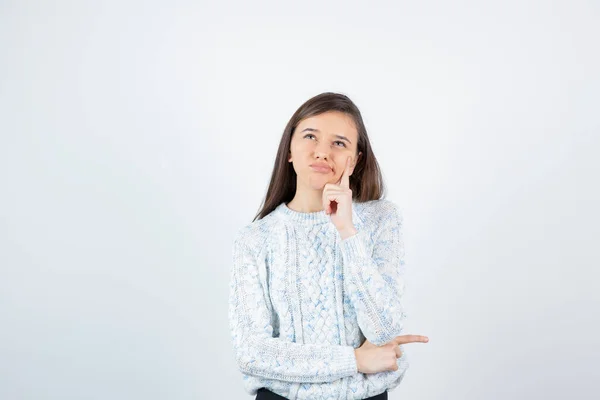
x: 374, y: 283
x: 257, y: 352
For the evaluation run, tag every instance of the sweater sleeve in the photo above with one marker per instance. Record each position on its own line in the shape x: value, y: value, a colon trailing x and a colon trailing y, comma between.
x: 374, y: 282
x: 257, y: 352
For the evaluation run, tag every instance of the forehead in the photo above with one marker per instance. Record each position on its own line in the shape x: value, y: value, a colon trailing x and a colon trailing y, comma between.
x: 331, y: 123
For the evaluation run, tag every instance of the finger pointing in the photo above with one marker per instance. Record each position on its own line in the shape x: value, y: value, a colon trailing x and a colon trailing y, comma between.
x: 403, y: 339
x: 345, y: 179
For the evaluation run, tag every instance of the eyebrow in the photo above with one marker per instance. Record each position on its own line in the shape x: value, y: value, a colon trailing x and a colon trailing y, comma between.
x: 337, y: 136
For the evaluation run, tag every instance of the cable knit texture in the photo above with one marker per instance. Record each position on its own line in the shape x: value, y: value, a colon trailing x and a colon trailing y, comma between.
x: 301, y: 300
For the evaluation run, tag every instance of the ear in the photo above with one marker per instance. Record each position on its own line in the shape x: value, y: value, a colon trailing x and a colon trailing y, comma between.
x: 358, y: 158
x: 356, y: 162
x: 289, y: 156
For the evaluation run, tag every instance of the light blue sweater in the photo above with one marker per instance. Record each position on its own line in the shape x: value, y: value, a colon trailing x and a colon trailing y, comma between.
x: 301, y: 300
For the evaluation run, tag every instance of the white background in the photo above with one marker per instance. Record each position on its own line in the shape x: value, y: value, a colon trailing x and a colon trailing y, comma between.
x: 138, y: 136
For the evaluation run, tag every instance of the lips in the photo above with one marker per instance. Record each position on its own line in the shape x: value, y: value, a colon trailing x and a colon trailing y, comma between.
x: 321, y: 167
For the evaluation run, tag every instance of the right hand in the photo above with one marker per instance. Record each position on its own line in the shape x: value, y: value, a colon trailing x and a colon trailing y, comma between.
x: 371, y: 358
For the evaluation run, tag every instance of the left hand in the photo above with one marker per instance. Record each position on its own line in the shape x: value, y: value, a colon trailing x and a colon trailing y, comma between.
x: 337, y: 202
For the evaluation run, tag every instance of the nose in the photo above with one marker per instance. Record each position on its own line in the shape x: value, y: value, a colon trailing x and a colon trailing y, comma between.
x: 322, y: 151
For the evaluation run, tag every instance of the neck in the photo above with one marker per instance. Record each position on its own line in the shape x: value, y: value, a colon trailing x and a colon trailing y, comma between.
x: 307, y: 201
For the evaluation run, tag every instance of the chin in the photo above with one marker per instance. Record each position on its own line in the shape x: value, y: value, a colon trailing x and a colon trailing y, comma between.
x: 318, y: 183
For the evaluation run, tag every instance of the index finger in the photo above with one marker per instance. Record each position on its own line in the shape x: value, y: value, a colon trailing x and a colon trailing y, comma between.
x: 345, y: 179
x: 403, y: 339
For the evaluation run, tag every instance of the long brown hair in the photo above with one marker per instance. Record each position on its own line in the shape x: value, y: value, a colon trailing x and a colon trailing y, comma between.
x: 366, y: 181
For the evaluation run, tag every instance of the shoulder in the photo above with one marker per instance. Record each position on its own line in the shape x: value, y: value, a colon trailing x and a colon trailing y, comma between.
x: 374, y: 212
x: 255, y: 235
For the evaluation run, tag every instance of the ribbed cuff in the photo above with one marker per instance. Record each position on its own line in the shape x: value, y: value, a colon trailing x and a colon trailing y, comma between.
x: 347, y: 360
x: 353, y: 247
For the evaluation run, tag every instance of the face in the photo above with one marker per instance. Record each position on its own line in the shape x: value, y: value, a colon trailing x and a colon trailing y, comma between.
x: 325, y: 139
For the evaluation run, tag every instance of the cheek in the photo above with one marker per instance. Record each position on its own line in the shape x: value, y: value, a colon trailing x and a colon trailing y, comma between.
x: 300, y: 148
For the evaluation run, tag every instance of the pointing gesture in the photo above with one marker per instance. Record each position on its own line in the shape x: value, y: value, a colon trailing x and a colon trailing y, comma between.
x: 337, y: 202
x: 403, y: 339
x: 371, y: 359
x: 344, y: 181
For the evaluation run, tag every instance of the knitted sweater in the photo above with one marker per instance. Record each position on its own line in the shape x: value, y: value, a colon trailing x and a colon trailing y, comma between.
x: 301, y: 300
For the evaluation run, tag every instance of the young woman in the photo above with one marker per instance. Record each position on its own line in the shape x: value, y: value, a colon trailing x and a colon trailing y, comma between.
x: 315, y: 306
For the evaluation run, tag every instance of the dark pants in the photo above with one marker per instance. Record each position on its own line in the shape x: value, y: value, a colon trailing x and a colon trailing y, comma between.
x: 266, y: 394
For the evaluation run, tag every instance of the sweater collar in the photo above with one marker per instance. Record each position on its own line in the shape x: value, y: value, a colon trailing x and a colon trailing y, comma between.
x: 312, y: 218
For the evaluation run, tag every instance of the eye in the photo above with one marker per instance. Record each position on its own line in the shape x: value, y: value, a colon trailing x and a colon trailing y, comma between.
x: 337, y: 141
